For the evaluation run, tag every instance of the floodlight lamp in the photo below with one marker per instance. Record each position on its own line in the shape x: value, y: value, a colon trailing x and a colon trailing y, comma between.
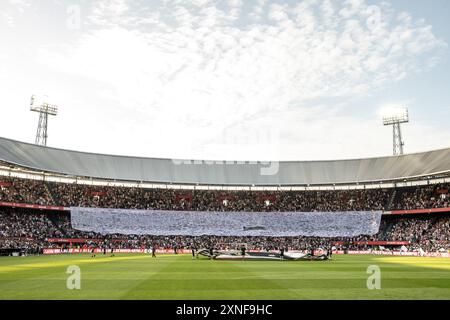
x: 47, y: 108
x: 44, y: 109
x: 399, y: 115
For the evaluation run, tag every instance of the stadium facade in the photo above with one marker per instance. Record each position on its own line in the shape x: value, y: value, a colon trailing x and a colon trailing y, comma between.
x: 32, y: 161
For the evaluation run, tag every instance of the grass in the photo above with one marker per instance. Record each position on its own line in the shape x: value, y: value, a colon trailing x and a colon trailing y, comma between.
x: 180, y: 277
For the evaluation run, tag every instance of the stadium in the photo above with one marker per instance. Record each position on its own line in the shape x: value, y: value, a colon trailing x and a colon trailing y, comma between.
x: 202, y: 154
x: 61, y: 208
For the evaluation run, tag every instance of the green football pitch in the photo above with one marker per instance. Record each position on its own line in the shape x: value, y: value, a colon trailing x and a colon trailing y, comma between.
x: 180, y: 277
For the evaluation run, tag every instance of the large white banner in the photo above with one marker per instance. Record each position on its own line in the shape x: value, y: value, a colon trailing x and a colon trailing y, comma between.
x: 196, y: 223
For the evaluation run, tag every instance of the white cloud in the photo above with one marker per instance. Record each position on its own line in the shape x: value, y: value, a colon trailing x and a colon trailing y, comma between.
x: 277, y: 12
x: 21, y: 5
x: 109, y: 12
x: 236, y: 3
x: 192, y: 70
x: 12, y: 10
x: 8, y: 20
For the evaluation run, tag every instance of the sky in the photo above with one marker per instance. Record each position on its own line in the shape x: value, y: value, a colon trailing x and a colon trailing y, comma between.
x: 227, y: 80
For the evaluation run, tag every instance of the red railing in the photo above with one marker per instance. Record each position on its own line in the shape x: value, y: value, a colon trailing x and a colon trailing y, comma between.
x: 32, y: 206
x: 418, y: 211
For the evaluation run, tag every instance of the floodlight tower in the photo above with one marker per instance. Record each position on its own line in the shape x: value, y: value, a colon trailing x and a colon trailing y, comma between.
x: 395, y: 119
x: 44, y: 110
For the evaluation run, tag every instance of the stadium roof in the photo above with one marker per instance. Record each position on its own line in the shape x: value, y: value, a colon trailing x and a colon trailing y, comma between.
x: 167, y: 171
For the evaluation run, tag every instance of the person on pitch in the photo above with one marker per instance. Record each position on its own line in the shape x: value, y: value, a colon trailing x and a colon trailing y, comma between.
x: 243, y: 252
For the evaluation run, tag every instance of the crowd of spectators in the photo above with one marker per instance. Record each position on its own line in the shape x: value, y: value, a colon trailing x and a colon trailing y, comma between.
x: 79, y: 195
x: 30, y: 229
x: 24, y: 191
x: 434, y: 196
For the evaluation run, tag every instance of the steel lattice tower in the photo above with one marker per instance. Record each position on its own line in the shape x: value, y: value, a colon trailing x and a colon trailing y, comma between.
x: 395, y: 120
x: 44, y: 110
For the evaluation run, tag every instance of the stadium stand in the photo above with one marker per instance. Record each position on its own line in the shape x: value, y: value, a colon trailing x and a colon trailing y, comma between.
x: 33, y: 215
x: 72, y: 195
x: 430, y: 231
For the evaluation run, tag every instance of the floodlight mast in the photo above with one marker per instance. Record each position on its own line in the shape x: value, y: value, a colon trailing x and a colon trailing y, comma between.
x: 395, y: 121
x: 44, y: 109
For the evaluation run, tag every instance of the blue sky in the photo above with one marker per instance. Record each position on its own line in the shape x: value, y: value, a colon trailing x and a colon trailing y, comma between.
x: 237, y: 80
